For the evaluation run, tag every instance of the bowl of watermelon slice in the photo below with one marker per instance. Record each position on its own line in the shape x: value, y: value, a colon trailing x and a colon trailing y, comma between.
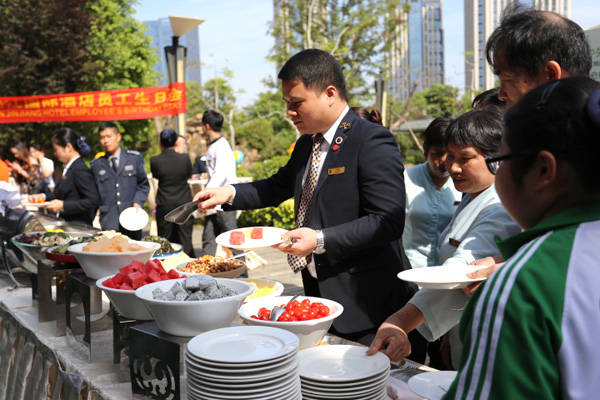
x: 120, y: 287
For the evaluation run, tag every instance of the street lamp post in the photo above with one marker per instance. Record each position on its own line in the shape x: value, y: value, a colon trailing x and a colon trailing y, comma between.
x: 176, y: 57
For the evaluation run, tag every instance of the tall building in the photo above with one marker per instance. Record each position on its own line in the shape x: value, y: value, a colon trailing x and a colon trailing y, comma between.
x: 481, y: 18
x: 417, y: 55
x: 161, y: 33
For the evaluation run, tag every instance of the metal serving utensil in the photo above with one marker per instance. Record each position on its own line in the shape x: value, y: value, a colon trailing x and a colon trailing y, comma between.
x: 181, y: 214
x: 277, y: 311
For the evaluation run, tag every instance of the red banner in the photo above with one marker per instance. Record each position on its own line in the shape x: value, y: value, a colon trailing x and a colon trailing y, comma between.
x: 106, y: 105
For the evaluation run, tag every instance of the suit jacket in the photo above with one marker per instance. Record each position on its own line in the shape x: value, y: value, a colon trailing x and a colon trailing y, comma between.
x: 359, y: 203
x: 119, y: 190
x: 78, y: 192
x: 172, y: 171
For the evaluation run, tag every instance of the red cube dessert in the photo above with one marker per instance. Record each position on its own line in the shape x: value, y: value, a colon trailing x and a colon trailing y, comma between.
x: 236, y: 238
x: 256, y: 233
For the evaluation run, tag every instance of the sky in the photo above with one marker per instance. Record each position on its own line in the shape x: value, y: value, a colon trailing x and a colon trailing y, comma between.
x: 235, y: 35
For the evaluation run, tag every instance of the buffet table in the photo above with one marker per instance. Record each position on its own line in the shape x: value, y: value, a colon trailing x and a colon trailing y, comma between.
x: 35, y: 363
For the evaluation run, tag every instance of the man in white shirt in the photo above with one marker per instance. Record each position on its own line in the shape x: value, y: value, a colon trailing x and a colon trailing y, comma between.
x: 44, y: 164
x: 220, y: 163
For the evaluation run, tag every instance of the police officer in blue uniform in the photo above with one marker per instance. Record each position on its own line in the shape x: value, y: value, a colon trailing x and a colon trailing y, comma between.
x: 121, y: 179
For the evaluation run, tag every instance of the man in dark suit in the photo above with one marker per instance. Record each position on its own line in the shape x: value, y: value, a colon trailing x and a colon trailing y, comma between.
x: 346, y: 176
x: 172, y: 170
x: 121, y: 179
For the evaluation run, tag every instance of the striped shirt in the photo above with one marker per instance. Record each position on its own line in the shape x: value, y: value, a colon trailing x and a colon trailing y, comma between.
x: 531, y: 331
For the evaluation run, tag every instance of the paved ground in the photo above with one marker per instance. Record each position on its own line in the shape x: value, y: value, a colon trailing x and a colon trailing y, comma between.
x: 276, y: 268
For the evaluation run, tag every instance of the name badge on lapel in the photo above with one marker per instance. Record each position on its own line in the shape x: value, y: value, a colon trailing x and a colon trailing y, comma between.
x: 454, y: 242
x: 336, y: 171
x: 128, y: 168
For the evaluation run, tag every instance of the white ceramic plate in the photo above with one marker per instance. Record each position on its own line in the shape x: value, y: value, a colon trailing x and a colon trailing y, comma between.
x: 341, y: 363
x: 432, y: 385
x: 133, y: 219
x: 291, y: 392
x: 274, y: 373
x: 226, y: 370
x: 236, y: 366
x: 442, y: 277
x: 346, y: 386
x: 243, y: 344
x: 241, y: 384
x: 267, y: 388
x: 271, y: 236
x: 28, y: 204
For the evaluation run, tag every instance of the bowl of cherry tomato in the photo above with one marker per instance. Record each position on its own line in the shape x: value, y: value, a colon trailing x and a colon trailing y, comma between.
x: 308, y: 317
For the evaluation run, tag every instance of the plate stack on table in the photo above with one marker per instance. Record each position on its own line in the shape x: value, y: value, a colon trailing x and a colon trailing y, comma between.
x: 343, y: 372
x: 243, y: 362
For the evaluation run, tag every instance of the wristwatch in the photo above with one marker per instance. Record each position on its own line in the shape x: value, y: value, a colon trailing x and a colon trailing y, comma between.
x: 320, y: 243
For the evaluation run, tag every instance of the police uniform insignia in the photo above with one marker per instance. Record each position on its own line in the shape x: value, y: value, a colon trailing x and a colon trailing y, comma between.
x: 338, y: 140
x: 102, y: 172
x: 137, y: 153
x: 345, y: 125
x: 128, y: 168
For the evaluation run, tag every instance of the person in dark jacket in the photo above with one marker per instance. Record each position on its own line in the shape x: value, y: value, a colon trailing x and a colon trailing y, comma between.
x: 172, y: 170
x: 75, y: 197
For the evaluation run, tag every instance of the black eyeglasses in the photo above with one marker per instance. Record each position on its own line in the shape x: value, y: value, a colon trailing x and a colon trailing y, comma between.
x: 493, y: 163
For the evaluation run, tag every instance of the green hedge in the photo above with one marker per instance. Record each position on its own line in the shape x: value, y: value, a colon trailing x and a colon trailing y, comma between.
x: 281, y: 216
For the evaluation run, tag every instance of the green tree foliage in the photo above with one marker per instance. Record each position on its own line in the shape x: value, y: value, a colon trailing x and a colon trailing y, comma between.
x: 72, y: 46
x: 438, y: 100
x: 39, y: 55
x: 351, y: 30
x: 123, y: 58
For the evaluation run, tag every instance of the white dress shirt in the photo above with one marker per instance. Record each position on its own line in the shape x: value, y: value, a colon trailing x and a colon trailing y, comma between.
x: 220, y: 163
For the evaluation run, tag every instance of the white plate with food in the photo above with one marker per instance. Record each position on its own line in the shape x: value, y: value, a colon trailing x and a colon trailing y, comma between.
x: 40, y: 204
x: 432, y: 385
x: 442, y: 277
x: 253, y: 237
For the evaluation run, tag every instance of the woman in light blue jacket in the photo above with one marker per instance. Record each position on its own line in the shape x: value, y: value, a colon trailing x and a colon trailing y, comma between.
x: 478, y: 222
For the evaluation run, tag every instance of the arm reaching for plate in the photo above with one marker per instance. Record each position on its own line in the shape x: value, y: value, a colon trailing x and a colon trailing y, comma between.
x: 212, y: 197
x: 492, y: 263
x: 392, y: 336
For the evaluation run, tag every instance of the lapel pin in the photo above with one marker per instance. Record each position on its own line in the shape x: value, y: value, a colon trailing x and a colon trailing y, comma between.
x: 345, y: 125
x: 335, y: 147
x: 339, y: 140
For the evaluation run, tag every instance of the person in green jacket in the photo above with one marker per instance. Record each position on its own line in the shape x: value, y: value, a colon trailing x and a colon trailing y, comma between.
x: 530, y: 330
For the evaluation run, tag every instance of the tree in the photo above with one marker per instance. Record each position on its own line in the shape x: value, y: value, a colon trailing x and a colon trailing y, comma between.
x: 122, y: 58
x: 41, y: 55
x: 73, y: 46
x: 351, y: 30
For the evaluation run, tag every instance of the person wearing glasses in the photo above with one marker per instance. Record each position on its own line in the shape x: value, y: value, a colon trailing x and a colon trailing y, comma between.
x: 531, y: 330
x: 470, y: 235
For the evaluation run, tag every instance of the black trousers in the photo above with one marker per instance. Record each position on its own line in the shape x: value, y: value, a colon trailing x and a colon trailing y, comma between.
x: 175, y: 233
x: 214, y: 225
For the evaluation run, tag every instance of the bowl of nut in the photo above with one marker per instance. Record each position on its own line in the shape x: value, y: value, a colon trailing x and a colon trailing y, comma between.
x: 218, y: 267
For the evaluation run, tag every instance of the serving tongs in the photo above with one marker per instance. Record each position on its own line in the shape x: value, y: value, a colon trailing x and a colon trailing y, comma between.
x: 181, y: 214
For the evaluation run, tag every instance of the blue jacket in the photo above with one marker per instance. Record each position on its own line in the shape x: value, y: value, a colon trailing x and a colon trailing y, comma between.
x: 120, y: 190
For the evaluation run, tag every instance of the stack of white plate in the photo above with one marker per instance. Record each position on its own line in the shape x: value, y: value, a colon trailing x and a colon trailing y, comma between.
x: 243, y: 362
x: 343, y: 372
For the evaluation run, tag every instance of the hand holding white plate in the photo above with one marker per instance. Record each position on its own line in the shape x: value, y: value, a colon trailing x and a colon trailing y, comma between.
x: 133, y: 219
x: 270, y: 236
x: 442, y: 277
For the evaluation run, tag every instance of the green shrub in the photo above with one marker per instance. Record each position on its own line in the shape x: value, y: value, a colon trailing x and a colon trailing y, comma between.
x: 281, y: 216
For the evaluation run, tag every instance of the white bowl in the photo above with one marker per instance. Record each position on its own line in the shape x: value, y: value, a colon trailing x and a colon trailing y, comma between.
x: 309, y: 332
x: 125, y: 301
x: 261, y: 283
x: 190, y: 318
x: 98, y: 264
